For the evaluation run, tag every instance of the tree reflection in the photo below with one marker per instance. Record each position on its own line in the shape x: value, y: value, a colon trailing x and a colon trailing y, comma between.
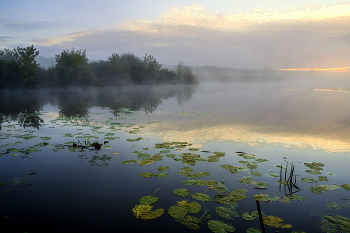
x: 25, y: 106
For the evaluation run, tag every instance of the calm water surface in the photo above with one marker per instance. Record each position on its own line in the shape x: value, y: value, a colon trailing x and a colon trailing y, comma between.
x: 49, y: 185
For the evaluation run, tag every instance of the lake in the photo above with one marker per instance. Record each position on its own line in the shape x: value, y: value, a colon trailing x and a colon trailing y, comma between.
x: 81, y: 160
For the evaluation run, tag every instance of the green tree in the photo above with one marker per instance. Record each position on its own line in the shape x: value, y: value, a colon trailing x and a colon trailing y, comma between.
x: 185, y: 74
x: 28, y: 67
x: 9, y: 69
x: 152, y: 65
x: 72, y: 68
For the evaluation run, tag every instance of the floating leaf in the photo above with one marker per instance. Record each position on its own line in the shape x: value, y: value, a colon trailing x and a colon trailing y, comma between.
x: 318, y: 189
x: 148, y: 200
x: 334, y: 206
x: 194, y: 207
x: 245, y: 180
x: 116, y: 153
x: 144, y: 212
x: 147, y: 174
x: 226, y: 212
x: 308, y: 180
x: 107, y: 147
x: 177, y: 211
x: 313, y: 172
x: 201, y: 197
x: 346, y: 187
x: 146, y: 162
x: 336, y: 224
x: 220, y: 227
x: 198, y: 174
x: 274, y: 221
x: 247, y: 216
x: 129, y: 161
x: 256, y: 173
x: 181, y: 192
x: 163, y: 168
x: 161, y: 175
x: 314, y: 165
x: 322, y: 178
x: 253, y: 230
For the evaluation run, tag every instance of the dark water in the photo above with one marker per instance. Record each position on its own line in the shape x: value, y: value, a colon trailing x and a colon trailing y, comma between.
x: 62, y: 188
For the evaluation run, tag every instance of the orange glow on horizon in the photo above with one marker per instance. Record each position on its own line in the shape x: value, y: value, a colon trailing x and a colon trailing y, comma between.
x: 342, y: 69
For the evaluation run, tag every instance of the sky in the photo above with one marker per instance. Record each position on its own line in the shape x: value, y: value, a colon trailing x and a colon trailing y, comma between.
x: 248, y: 34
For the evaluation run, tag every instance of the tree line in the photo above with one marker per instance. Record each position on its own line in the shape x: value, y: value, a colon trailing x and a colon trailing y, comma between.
x: 18, y: 69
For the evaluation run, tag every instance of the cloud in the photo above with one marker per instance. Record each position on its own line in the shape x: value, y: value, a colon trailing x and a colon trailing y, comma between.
x: 316, y: 36
x: 21, y: 26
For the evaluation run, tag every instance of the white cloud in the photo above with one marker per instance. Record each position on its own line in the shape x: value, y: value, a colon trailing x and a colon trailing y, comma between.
x: 311, y: 37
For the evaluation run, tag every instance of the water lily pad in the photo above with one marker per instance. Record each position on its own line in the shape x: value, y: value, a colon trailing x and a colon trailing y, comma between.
x: 253, y: 230
x: 116, y: 153
x: 201, y: 197
x: 129, y: 161
x: 334, y: 206
x: 308, y: 180
x: 256, y: 173
x: 318, y: 189
x: 323, y: 178
x: 274, y: 221
x: 163, y: 168
x: 346, y: 187
x: 220, y: 227
x: 161, y: 175
x: 227, y: 212
x: 336, y: 224
x: 144, y: 212
x: 107, y: 147
x: 181, y: 192
x: 313, y: 172
x: 148, y: 200
x: 46, y: 138
x: 245, y: 180
x: 314, y: 165
x: 147, y: 174
x: 198, y: 174
x: 177, y: 211
x: 146, y: 162
x: 194, y: 207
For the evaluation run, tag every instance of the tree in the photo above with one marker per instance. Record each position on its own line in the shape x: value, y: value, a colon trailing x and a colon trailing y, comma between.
x: 9, y: 69
x: 28, y: 67
x: 72, y: 68
x: 185, y: 74
x: 152, y: 65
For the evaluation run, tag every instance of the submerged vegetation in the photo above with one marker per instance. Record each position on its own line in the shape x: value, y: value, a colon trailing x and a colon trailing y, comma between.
x: 19, y: 69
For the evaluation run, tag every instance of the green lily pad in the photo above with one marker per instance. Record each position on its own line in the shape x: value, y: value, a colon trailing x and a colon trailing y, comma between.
x: 147, y: 174
x: 334, y: 206
x: 129, y: 161
x: 256, y: 173
x: 336, y: 224
x: 161, y: 175
x: 148, y: 200
x: 46, y: 138
x: 144, y: 212
x: 314, y: 165
x: 181, y: 192
x: 198, y: 174
x: 318, y: 189
x: 146, y: 162
x: 253, y: 230
x: 177, y: 211
x: 245, y: 180
x: 194, y: 207
x: 308, y: 180
x: 346, y: 187
x: 201, y: 197
x: 163, y: 168
x: 313, y: 172
x: 323, y: 178
x: 107, y: 147
x: 220, y: 227
x: 227, y: 212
